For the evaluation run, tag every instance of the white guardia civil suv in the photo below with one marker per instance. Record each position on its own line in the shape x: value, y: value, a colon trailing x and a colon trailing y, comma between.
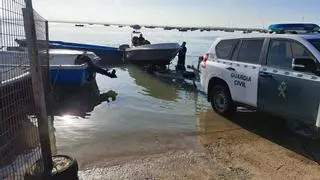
x: 276, y: 73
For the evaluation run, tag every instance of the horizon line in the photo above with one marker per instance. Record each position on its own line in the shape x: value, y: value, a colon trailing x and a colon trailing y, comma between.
x: 157, y: 26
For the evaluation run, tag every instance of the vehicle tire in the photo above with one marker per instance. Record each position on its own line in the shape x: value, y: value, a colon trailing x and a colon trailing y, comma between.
x: 221, y: 100
x: 66, y: 171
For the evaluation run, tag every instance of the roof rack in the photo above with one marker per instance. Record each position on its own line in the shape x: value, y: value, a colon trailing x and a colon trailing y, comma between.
x: 294, y: 28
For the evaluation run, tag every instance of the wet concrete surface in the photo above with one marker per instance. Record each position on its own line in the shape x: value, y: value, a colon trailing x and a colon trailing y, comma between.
x: 160, y: 129
x: 250, y: 145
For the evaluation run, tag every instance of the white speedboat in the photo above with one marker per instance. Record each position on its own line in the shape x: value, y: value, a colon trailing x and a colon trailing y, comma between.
x: 154, y: 54
x: 142, y: 52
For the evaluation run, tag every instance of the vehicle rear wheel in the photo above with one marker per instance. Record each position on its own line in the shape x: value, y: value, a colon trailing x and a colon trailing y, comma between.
x: 221, y: 100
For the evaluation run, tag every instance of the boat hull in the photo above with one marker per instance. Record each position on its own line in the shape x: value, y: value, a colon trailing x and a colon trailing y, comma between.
x: 109, y: 55
x: 157, y: 54
x: 69, y: 75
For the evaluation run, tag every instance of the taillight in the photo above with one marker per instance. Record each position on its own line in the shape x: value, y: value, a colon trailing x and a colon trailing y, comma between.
x: 204, y: 60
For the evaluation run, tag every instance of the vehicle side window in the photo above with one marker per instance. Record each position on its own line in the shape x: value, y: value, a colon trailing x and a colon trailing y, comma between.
x: 299, y: 51
x: 281, y: 52
x: 225, y: 48
x: 250, y: 51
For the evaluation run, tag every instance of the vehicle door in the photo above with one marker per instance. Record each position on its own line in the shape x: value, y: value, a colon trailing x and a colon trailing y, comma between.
x: 283, y: 91
x: 244, y: 76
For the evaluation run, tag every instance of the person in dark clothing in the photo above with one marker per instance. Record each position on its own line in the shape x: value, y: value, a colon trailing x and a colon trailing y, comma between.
x: 141, y: 40
x: 135, y: 41
x: 182, y: 57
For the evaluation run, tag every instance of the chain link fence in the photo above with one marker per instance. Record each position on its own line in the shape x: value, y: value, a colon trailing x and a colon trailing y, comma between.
x: 20, y: 147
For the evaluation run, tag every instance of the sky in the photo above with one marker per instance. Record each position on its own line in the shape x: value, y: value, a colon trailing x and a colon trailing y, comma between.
x: 226, y: 13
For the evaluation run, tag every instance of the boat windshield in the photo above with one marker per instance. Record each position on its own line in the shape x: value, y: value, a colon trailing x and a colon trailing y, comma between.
x: 315, y: 43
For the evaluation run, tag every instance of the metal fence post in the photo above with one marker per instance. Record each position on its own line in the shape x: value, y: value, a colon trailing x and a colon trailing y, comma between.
x: 46, y: 63
x: 38, y: 88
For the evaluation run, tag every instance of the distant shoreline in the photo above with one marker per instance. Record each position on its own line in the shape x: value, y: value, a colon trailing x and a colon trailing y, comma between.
x: 179, y: 27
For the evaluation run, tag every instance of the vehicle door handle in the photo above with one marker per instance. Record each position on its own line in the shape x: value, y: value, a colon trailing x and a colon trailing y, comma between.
x: 231, y: 69
x: 266, y: 75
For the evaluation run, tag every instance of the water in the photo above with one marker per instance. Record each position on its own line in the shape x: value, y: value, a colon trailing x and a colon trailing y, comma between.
x: 197, y: 42
x: 146, y: 108
x: 157, y: 127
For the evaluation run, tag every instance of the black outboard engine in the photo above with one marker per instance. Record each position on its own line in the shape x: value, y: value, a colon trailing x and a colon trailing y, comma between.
x: 94, y: 68
x: 123, y: 47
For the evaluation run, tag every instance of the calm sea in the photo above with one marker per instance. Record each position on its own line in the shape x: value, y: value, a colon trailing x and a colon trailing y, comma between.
x: 88, y: 125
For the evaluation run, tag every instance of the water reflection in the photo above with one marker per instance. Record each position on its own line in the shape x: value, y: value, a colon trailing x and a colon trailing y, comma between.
x: 152, y: 85
x: 71, y: 115
x: 210, y: 125
x: 79, y: 102
x: 164, y: 87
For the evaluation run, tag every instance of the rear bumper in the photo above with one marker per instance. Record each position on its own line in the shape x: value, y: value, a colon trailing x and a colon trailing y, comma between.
x: 204, y: 80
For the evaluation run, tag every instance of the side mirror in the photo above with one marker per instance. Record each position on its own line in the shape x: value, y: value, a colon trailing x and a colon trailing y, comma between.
x: 304, y: 65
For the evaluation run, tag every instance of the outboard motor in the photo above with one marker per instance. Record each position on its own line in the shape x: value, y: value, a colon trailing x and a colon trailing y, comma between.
x: 123, y: 47
x: 94, y: 68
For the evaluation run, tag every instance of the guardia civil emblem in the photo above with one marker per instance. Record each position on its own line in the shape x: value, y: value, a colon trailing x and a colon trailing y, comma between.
x: 282, y: 90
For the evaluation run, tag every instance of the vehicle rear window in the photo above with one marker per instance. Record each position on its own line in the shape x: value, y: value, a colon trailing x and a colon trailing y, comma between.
x: 225, y: 48
x: 315, y: 43
x: 250, y: 51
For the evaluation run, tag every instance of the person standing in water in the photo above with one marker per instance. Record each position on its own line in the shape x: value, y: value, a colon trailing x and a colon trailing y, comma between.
x: 182, y: 57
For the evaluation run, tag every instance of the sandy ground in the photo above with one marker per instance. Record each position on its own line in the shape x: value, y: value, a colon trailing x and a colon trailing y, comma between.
x: 248, y: 146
